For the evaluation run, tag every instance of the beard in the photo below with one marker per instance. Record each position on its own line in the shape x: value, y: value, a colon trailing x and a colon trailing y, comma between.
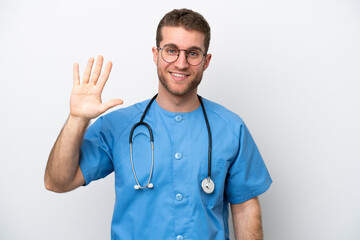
x: 189, y: 86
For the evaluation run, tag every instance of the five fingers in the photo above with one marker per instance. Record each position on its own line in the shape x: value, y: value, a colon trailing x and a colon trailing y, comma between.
x: 96, y: 73
x: 91, y: 83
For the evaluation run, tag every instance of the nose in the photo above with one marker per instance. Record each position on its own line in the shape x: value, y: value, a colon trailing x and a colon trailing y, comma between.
x: 181, y: 62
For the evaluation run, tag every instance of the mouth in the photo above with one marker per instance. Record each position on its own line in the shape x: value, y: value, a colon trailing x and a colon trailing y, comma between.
x: 179, y: 76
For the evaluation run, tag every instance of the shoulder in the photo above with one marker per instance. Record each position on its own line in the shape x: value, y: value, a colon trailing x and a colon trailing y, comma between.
x: 220, y: 114
x: 120, y: 118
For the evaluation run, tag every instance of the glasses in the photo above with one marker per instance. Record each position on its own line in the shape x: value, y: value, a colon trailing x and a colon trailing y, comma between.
x: 171, y: 53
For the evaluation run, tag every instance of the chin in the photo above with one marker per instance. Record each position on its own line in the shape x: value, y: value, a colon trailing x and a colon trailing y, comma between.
x: 178, y: 93
x: 178, y: 89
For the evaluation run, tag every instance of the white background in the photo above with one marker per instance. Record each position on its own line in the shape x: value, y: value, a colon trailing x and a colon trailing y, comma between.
x: 290, y: 69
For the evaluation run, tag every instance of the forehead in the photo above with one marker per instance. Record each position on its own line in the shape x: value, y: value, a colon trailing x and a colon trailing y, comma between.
x: 182, y: 38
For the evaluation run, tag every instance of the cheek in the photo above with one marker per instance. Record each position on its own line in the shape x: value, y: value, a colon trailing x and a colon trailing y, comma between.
x: 200, y: 69
x: 163, y: 66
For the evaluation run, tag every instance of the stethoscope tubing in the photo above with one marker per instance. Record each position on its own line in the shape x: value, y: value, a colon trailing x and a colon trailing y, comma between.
x: 138, y: 186
x: 209, y: 133
x: 141, y: 122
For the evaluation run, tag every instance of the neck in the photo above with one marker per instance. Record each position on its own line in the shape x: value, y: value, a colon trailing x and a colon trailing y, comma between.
x: 172, y: 103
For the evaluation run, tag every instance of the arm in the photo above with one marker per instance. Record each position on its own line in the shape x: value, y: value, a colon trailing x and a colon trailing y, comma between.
x: 247, y: 220
x: 62, y: 172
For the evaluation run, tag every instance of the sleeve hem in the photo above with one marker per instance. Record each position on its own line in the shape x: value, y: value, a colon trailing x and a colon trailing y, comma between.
x: 244, y: 198
x: 85, y: 174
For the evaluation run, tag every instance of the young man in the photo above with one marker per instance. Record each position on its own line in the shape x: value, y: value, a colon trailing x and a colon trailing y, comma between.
x: 202, y: 156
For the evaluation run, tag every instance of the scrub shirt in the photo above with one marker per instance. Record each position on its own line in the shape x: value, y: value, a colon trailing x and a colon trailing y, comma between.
x: 176, y: 208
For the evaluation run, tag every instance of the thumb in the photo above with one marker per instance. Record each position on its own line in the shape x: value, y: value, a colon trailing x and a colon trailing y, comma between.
x: 110, y: 104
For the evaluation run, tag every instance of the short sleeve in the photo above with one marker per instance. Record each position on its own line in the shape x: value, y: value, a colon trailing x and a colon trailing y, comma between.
x: 248, y: 176
x: 95, y: 153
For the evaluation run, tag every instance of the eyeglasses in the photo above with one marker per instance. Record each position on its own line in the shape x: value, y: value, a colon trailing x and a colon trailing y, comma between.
x: 171, y: 53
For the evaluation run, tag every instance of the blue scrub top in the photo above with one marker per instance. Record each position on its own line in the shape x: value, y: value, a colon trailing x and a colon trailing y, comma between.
x: 176, y: 208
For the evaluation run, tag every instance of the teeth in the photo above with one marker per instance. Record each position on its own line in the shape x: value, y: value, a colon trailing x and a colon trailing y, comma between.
x: 178, y: 75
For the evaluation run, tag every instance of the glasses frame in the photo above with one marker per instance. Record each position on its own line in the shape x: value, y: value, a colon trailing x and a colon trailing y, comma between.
x: 186, y: 55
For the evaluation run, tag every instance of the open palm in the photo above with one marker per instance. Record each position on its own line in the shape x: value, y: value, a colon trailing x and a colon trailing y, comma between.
x: 85, y: 101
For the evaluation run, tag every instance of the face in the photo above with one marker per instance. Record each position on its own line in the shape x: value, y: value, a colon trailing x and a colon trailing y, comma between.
x: 179, y: 78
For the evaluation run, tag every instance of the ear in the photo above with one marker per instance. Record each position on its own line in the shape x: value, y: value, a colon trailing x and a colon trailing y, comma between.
x: 155, y: 52
x: 207, y: 61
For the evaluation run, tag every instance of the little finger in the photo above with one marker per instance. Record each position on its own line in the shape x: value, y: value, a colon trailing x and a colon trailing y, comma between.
x: 76, y: 76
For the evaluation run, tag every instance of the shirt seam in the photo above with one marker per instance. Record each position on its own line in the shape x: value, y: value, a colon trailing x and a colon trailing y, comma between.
x: 228, y: 123
x: 125, y: 127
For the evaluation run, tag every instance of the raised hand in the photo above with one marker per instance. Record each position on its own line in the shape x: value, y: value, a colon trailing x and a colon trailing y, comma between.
x: 85, y: 101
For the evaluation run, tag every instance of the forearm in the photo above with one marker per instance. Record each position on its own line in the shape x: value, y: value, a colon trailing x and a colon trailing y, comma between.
x: 247, y: 220
x: 64, y: 157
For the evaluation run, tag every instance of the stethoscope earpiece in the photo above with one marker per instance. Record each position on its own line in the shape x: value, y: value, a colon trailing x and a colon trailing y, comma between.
x: 137, y: 187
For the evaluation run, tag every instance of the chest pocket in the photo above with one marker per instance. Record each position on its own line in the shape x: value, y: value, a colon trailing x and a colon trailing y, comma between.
x: 218, y: 175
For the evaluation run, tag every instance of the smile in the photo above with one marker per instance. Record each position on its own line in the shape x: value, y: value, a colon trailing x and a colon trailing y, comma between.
x: 179, y: 74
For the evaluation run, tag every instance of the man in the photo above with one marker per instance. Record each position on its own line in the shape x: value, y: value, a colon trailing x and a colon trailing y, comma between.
x: 167, y: 192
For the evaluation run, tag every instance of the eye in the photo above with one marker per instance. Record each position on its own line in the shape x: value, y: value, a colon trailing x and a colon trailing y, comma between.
x: 193, y: 53
x: 171, y: 51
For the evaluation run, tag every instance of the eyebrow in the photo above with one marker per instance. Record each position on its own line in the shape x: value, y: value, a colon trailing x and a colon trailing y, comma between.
x: 190, y: 48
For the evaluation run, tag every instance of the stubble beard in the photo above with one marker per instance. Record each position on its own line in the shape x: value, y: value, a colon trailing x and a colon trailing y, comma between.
x: 189, y: 87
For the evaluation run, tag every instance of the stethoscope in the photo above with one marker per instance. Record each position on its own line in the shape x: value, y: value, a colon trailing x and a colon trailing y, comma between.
x: 207, y: 183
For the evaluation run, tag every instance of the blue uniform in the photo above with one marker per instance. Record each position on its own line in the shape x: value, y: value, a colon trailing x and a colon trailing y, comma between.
x: 176, y: 208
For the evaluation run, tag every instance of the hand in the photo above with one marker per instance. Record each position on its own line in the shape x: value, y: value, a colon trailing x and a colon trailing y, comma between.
x: 85, y: 101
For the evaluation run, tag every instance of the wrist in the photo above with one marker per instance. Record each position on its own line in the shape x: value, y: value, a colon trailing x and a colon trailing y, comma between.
x: 78, y: 122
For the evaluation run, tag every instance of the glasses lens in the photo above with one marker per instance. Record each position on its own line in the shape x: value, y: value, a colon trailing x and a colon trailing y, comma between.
x: 194, y: 57
x: 170, y: 54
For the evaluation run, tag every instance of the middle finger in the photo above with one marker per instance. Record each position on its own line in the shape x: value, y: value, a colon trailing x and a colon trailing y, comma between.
x: 97, y: 70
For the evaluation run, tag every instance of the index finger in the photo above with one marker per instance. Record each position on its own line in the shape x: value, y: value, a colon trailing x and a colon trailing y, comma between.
x: 105, y: 76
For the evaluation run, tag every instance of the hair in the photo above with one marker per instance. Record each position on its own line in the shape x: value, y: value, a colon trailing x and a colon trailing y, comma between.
x: 187, y: 19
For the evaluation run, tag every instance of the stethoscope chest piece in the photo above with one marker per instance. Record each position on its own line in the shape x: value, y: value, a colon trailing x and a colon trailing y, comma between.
x: 208, y: 185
